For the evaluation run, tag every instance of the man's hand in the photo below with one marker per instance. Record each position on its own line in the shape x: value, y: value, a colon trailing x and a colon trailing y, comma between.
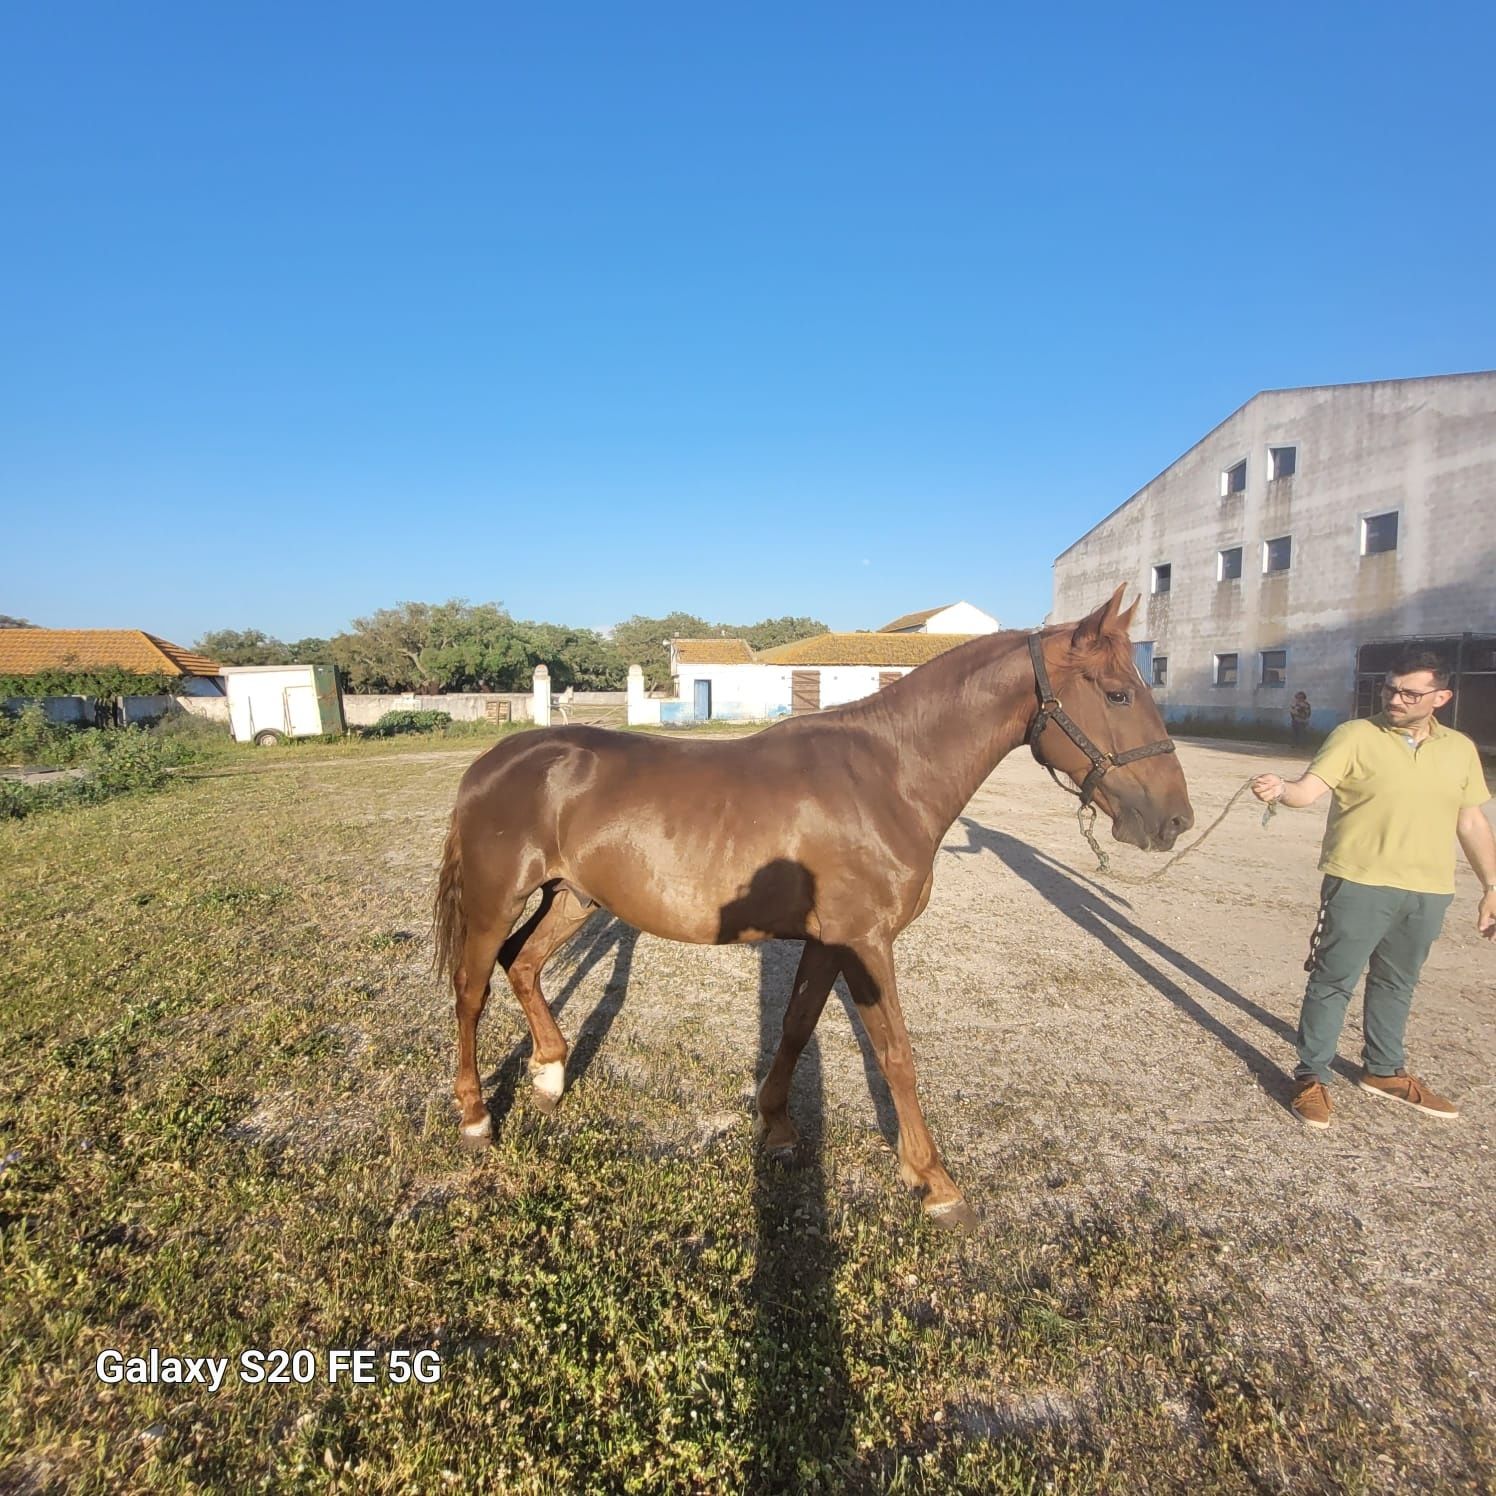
x: 1485, y: 916
x: 1268, y: 788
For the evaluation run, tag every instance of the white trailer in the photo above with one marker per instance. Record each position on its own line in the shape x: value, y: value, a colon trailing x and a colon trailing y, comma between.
x: 270, y: 703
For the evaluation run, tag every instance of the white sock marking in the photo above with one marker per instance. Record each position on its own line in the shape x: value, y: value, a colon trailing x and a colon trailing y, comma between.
x: 549, y: 1079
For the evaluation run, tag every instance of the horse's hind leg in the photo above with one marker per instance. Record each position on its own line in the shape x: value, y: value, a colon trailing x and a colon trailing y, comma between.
x: 814, y: 978
x: 480, y: 949
x: 562, y: 913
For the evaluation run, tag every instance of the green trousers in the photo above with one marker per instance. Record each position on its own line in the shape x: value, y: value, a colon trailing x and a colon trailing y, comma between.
x: 1387, y: 930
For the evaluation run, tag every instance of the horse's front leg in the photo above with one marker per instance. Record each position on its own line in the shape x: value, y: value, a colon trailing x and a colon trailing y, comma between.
x: 814, y: 978
x: 870, y: 976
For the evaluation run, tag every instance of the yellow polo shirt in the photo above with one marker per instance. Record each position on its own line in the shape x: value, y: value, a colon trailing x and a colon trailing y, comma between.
x: 1392, y: 823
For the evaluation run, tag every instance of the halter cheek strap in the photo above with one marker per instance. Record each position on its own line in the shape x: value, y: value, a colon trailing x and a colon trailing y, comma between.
x: 1051, y: 710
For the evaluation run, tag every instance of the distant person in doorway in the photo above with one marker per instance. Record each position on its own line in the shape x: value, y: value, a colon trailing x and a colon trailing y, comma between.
x: 1405, y: 787
x: 1298, y: 718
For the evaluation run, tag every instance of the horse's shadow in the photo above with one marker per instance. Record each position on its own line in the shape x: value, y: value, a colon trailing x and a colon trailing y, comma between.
x: 793, y: 1289
x: 1098, y: 911
x: 792, y: 1293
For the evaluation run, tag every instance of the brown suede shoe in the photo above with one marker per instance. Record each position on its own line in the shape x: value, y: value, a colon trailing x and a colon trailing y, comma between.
x: 1311, y: 1102
x: 1409, y: 1090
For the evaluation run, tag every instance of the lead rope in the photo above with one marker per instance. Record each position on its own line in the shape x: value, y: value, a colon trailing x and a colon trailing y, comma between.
x: 1085, y: 817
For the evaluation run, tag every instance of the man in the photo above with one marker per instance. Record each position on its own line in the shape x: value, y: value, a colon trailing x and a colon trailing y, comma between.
x: 1298, y: 718
x: 1404, y: 786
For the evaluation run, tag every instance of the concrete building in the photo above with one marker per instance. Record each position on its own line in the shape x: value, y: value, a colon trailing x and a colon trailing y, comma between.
x: 50, y: 653
x: 715, y: 680
x: 1308, y: 524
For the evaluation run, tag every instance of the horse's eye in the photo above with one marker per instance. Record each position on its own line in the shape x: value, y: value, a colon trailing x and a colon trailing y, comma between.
x: 1118, y: 698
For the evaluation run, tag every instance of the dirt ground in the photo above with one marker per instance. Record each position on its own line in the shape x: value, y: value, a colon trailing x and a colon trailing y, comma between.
x: 1085, y: 1041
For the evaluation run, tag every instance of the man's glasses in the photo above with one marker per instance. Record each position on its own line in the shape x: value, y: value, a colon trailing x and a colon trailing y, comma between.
x: 1397, y: 693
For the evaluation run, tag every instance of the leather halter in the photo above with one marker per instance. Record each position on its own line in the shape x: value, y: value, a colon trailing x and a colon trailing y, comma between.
x: 1050, y: 709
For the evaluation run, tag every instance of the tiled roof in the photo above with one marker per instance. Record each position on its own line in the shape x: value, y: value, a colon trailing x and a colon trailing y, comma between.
x: 863, y: 649
x: 712, y: 651
x: 913, y: 620
x: 31, y: 651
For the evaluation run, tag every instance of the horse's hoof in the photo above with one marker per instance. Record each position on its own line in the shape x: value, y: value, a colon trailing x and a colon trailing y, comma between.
x: 476, y: 1139
x: 954, y: 1215
x: 779, y: 1145
x: 547, y: 1082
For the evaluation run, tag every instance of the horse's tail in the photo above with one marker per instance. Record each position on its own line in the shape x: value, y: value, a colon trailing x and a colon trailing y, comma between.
x: 448, y: 921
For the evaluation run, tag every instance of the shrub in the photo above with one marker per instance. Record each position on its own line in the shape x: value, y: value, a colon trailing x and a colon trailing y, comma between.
x: 194, y: 736
x: 33, y: 738
x: 393, y: 723
x: 133, y: 758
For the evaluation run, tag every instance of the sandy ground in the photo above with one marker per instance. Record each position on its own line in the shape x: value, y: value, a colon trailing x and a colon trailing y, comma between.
x: 1083, y: 1041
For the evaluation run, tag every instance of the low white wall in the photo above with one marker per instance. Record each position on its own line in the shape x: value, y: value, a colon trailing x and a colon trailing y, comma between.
x: 209, y: 708
x: 57, y: 708
x: 79, y: 710
x: 365, y: 711
x: 145, y: 708
x: 463, y: 706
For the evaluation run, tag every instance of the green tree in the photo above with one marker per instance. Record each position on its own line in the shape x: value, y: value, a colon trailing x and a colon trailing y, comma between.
x: 577, y: 657
x: 771, y: 632
x: 311, y: 651
x: 646, y: 641
x: 243, y: 647
x: 7, y: 622
x: 450, y: 646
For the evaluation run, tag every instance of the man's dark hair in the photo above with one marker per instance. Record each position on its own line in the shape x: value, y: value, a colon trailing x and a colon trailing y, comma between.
x: 1411, y: 661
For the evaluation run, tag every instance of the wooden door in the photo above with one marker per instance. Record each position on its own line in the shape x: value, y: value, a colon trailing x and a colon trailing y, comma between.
x: 805, y: 691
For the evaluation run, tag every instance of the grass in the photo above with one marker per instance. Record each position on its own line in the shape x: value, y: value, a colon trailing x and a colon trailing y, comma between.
x: 225, y: 1125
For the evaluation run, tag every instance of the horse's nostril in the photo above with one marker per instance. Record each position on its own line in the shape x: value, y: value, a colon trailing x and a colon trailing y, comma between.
x: 1180, y: 824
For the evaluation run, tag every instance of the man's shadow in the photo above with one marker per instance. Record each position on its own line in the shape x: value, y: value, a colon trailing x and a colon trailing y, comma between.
x: 1098, y: 911
x: 802, y: 1396
x: 593, y: 943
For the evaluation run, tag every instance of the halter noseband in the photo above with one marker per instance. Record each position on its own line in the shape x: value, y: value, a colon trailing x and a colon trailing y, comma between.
x: 1050, y: 709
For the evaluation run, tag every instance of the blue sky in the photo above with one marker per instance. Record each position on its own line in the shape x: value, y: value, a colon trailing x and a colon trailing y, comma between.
x: 600, y: 309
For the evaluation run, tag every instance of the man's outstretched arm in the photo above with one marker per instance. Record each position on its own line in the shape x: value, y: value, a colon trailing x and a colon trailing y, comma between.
x: 1304, y: 790
x: 1479, y: 846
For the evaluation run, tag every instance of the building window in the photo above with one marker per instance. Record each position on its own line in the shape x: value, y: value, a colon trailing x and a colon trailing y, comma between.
x: 1277, y: 555
x: 1161, y: 577
x: 1282, y: 462
x: 1234, y: 479
x: 1378, y: 533
x: 1160, y: 671
x: 1225, y: 670
x: 1228, y: 564
x: 1274, y: 667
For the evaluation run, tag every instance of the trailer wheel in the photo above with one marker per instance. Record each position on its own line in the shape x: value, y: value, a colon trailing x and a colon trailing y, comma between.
x: 268, y: 739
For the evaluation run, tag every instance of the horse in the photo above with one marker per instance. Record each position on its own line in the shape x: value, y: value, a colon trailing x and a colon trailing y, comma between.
x: 821, y: 828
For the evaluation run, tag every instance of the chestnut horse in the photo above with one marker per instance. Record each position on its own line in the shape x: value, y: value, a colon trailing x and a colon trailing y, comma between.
x: 821, y: 828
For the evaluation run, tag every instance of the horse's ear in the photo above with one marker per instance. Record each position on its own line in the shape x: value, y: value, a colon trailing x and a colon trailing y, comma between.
x: 1104, y: 620
x: 1124, y: 618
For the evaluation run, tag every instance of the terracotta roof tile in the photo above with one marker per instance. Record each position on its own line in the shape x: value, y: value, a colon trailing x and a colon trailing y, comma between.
x: 31, y: 651
x: 863, y: 649
x: 712, y: 652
